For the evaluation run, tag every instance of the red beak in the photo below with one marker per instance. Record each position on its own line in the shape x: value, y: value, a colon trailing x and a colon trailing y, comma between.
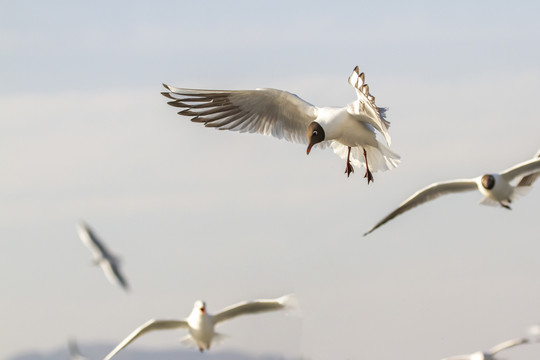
x: 309, y: 148
x: 202, y: 310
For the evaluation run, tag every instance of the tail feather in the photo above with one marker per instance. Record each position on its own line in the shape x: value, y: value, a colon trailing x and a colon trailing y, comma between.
x: 188, y: 341
x: 379, y: 158
x: 489, y: 202
x: 219, y: 338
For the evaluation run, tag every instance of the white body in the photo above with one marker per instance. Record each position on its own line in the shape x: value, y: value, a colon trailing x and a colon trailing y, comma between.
x: 201, y: 328
x: 501, y: 193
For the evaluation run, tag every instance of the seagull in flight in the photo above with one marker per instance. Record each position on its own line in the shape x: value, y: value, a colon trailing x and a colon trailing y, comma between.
x: 349, y: 130
x: 74, y: 352
x: 200, y: 324
x: 496, y: 188
x: 490, y: 354
x: 102, y: 257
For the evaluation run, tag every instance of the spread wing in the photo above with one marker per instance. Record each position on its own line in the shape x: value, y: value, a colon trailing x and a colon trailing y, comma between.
x: 91, y: 241
x: 147, y: 327
x: 364, y: 107
x: 459, y: 357
x: 251, y: 307
x: 263, y: 111
x: 113, y: 274
x: 507, y: 344
x: 522, y: 169
x: 108, y: 262
x: 429, y: 193
x: 528, y: 180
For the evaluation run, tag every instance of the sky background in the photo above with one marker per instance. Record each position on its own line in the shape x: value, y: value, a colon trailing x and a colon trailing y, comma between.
x: 196, y: 213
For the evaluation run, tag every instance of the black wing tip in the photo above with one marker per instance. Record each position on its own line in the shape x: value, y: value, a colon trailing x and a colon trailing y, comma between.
x: 168, y: 95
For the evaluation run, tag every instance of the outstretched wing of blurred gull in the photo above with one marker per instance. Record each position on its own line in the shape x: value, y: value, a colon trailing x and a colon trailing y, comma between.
x: 109, y: 263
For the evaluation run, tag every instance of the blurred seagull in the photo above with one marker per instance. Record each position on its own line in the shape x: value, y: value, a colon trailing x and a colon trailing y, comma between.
x: 534, y: 331
x: 200, y: 324
x: 490, y: 354
x: 74, y: 352
x: 102, y: 257
x: 349, y: 130
x: 496, y: 188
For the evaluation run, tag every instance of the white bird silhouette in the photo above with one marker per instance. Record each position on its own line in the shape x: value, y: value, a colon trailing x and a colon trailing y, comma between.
x: 102, y: 257
x: 200, y: 324
x: 496, y: 188
x: 490, y: 354
x: 74, y: 352
x: 350, y: 130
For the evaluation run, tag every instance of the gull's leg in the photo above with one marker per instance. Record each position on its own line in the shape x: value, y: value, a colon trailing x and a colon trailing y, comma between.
x: 505, y: 206
x: 349, y: 169
x: 368, y: 174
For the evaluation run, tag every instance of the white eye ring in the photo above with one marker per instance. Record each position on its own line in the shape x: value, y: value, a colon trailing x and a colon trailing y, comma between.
x: 314, y: 132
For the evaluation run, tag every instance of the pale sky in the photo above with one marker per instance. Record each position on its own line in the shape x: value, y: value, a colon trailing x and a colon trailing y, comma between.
x: 196, y: 213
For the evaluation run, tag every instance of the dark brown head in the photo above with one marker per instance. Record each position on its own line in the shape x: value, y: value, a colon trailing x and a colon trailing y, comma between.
x: 315, y: 134
x: 488, y: 181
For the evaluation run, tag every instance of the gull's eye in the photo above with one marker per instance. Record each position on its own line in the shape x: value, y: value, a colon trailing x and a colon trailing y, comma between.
x: 314, y: 132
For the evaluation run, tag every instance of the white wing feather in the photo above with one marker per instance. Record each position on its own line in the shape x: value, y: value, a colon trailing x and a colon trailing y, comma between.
x: 528, y: 180
x: 265, y: 111
x: 364, y: 107
x: 507, y: 344
x: 426, y: 194
x: 458, y: 357
x: 91, y: 241
x: 252, y: 307
x: 147, y: 327
x: 107, y: 261
x: 113, y: 274
x: 522, y: 169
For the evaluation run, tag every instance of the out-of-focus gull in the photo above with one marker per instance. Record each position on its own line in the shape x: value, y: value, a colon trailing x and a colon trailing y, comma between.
x: 490, y: 354
x: 496, y: 188
x: 200, y: 324
x: 349, y: 130
x: 74, y: 352
x: 102, y: 256
x: 534, y: 331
